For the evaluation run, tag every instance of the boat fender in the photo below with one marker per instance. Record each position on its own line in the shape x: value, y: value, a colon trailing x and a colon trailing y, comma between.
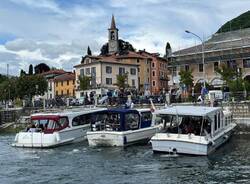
x: 124, y: 140
x: 225, y: 136
x: 174, y: 151
x: 57, y: 137
x: 16, y: 137
x: 211, y: 142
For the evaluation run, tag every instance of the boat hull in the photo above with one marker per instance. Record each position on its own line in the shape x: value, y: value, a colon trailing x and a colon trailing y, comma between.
x: 190, y: 144
x: 124, y: 138
x: 42, y: 140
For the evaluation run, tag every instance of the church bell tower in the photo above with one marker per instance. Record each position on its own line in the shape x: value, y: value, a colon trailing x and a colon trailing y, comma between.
x: 113, y: 37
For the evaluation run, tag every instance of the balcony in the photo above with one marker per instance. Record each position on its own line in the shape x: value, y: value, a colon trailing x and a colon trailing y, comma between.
x: 164, y: 78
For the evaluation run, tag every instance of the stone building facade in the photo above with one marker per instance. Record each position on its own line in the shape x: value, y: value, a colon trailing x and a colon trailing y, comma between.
x: 230, y: 48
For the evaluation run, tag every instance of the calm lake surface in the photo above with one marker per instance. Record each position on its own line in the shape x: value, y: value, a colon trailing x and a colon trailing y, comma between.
x: 79, y: 163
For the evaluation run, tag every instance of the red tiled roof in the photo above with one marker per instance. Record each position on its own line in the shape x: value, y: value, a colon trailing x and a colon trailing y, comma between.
x: 114, y: 58
x: 53, y: 72
x: 152, y: 55
x: 132, y: 55
x: 65, y: 77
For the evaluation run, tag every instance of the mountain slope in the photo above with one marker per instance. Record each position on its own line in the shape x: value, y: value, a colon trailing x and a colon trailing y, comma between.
x: 240, y: 22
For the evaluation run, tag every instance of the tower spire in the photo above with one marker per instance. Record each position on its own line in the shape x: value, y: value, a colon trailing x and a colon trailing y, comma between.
x: 113, y: 22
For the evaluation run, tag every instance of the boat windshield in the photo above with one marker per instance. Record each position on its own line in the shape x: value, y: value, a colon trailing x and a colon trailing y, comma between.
x: 47, y: 124
x: 106, y: 121
x: 197, y: 125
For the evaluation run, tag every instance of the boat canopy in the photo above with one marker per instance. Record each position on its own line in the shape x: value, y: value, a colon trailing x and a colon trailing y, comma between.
x: 117, y: 119
x: 188, y: 110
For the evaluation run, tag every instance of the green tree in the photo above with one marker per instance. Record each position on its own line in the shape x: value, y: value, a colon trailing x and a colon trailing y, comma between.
x: 3, y: 78
x: 168, y: 50
x: 22, y: 73
x: 227, y: 73
x: 84, y: 82
x: 30, y: 85
x: 122, y: 81
x: 186, y: 78
x: 198, y: 86
x: 89, y: 51
x: 31, y: 69
x: 8, y: 89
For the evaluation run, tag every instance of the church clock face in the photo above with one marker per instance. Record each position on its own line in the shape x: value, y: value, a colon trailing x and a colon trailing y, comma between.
x: 112, y: 44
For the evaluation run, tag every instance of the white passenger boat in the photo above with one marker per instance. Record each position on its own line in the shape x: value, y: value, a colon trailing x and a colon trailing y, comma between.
x: 121, y: 127
x: 54, y: 129
x: 195, y: 130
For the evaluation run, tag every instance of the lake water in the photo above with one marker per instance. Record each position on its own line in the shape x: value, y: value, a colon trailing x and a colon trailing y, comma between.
x: 79, y: 163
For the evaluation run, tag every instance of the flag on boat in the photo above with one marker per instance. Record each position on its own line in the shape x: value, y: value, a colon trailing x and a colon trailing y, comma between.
x: 152, y: 107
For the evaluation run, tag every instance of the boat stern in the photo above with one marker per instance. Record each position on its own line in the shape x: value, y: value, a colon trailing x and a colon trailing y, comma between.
x: 36, y: 139
x: 180, y: 144
x: 105, y: 138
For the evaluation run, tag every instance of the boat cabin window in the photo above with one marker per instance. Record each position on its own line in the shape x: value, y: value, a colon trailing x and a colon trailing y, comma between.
x: 215, y: 122
x: 166, y: 120
x: 106, y: 121
x: 146, y: 116
x: 48, y: 123
x: 52, y: 124
x: 81, y: 120
x: 63, y: 121
x: 197, y: 125
x: 219, y: 125
x: 132, y: 121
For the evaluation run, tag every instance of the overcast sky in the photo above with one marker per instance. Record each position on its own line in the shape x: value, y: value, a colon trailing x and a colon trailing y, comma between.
x: 58, y: 32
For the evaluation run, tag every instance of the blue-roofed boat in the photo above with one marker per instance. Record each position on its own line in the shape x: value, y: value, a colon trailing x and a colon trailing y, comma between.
x: 121, y: 127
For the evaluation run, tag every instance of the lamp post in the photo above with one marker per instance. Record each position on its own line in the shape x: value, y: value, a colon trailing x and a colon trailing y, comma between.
x: 203, y: 56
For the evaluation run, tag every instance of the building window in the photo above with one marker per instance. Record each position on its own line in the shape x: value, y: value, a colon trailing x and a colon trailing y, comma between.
x: 186, y: 68
x: 82, y: 94
x: 148, y: 70
x: 133, y: 82
x: 121, y: 71
x: 232, y: 64
x: 138, y: 70
x: 109, y: 81
x: 61, y: 83
x: 216, y: 65
x: 132, y: 71
x: 153, y: 83
x: 61, y: 92
x: 56, y: 93
x: 73, y: 82
x: 67, y: 82
x: 87, y: 60
x: 200, y: 67
x: 56, y: 84
x: 153, y: 73
x: 138, y: 61
x: 153, y: 65
x: 108, y: 69
x: 174, y: 71
x: 93, y: 71
x: 67, y: 92
x: 246, y: 63
x: 81, y: 72
x: 87, y: 71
